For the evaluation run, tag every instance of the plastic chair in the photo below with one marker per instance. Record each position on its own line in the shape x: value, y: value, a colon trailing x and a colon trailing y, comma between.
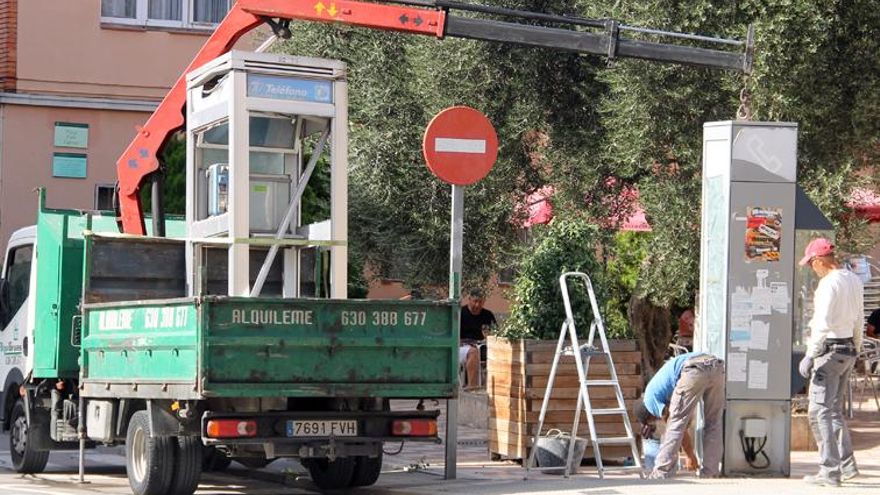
x: 867, y: 371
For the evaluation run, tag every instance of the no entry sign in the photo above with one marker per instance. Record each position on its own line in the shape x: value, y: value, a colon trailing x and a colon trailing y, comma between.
x: 460, y: 145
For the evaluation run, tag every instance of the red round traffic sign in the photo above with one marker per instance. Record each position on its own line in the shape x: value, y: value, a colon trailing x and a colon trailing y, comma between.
x: 460, y: 145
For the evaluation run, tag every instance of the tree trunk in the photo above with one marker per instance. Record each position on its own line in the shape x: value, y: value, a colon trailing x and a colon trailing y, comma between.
x: 652, y: 327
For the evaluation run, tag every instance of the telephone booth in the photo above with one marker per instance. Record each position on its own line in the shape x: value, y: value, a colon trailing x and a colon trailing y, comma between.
x: 259, y: 126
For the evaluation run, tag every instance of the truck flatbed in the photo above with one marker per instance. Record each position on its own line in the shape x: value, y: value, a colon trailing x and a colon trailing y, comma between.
x: 218, y: 346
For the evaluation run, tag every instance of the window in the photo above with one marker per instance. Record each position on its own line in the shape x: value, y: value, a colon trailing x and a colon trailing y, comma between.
x: 119, y: 8
x: 17, y: 282
x: 209, y: 11
x: 165, y: 10
x: 197, y: 14
x: 104, y: 195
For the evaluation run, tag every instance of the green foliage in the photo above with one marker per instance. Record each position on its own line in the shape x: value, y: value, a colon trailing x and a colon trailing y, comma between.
x: 174, y: 192
x: 819, y: 66
x: 815, y: 64
x: 571, y: 122
x: 828, y: 189
x: 316, y: 196
x: 537, y: 310
x: 625, y: 256
x: 173, y: 158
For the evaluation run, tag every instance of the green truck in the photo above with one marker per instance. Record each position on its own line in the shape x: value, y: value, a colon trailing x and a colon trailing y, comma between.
x: 228, y: 334
x: 110, y: 347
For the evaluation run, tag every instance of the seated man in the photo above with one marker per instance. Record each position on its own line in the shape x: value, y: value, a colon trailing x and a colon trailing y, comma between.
x: 672, y: 395
x: 474, y: 327
x: 685, y: 336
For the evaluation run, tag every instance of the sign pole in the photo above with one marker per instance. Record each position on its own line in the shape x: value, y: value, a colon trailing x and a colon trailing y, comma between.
x: 455, y: 256
x: 460, y: 146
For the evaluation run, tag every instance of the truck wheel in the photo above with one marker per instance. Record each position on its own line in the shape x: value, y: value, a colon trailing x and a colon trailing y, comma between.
x: 187, y: 465
x: 24, y: 459
x: 214, y: 460
x: 149, y: 461
x: 331, y: 475
x: 366, y: 470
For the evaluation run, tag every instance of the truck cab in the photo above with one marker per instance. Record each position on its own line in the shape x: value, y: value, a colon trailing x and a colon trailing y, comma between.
x: 16, y: 316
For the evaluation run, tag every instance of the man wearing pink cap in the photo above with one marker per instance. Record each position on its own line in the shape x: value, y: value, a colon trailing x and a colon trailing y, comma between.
x: 835, y: 340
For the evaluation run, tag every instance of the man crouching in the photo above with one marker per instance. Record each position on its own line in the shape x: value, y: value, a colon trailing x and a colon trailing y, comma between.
x: 672, y: 395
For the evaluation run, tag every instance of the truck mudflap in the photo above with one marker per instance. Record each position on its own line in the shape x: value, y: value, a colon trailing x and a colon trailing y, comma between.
x: 317, y: 433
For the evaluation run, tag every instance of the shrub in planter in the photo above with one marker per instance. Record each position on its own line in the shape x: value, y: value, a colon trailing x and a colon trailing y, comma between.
x: 537, y: 311
x: 521, y: 352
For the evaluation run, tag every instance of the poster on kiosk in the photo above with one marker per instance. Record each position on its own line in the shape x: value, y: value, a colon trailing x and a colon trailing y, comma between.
x: 746, y: 284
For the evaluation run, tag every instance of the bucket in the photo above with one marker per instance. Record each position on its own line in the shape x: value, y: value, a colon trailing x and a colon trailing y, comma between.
x: 552, y: 451
x: 651, y: 447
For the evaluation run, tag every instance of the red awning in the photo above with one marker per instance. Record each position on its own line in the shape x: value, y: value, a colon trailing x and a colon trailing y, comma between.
x: 866, y: 203
x: 540, y: 210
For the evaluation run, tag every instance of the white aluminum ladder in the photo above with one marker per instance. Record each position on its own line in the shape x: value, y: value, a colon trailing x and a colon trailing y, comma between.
x: 582, y: 360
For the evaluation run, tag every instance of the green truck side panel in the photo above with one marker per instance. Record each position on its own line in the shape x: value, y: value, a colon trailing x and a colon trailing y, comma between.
x: 59, y: 283
x: 359, y: 345
x: 279, y: 347
x: 151, y: 343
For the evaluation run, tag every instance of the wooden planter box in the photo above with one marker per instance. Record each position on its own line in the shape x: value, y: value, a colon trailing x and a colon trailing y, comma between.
x: 801, y: 435
x: 517, y: 376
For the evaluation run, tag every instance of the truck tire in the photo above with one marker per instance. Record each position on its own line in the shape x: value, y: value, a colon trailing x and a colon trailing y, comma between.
x: 328, y: 475
x: 149, y: 461
x: 25, y: 460
x: 366, y: 470
x: 187, y: 465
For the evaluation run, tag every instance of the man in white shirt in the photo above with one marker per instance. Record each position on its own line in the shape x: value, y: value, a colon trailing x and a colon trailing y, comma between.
x: 834, y: 342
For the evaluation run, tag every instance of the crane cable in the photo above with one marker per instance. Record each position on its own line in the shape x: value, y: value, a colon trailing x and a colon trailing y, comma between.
x: 744, y: 112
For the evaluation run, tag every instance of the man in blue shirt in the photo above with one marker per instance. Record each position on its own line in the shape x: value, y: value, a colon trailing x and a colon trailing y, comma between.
x: 672, y: 395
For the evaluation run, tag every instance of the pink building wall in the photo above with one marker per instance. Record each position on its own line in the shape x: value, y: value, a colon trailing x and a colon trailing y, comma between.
x: 26, y: 153
x: 64, y: 49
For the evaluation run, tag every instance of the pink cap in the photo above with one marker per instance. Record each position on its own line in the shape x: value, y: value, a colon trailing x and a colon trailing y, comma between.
x: 817, y: 247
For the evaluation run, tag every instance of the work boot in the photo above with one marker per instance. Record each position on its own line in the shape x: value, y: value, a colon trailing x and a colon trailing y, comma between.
x: 848, y: 474
x: 820, y: 480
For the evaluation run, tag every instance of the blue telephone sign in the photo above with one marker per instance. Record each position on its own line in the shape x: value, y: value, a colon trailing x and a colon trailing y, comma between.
x: 288, y: 88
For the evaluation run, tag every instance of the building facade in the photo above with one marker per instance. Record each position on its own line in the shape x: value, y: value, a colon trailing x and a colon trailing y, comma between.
x: 76, y: 79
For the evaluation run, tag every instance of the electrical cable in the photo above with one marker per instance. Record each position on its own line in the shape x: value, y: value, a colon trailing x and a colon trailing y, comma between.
x: 751, y: 451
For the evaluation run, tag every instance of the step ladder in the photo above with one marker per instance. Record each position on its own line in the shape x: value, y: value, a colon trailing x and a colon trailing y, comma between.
x: 568, y: 343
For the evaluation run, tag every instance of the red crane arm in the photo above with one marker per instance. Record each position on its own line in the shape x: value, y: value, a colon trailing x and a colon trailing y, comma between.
x: 140, y: 157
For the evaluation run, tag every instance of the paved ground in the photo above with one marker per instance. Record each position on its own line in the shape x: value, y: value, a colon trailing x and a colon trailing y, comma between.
x: 418, y: 470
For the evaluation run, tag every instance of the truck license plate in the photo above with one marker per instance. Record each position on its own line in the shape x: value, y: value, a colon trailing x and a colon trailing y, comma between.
x: 322, y: 428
